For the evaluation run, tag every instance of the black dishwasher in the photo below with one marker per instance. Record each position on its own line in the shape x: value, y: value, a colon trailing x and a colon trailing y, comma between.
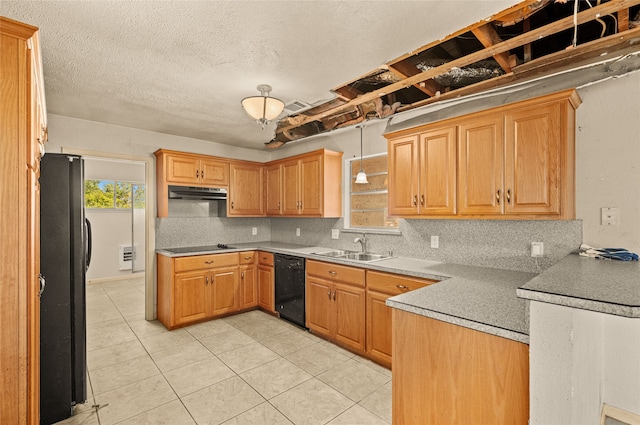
x: 289, y: 293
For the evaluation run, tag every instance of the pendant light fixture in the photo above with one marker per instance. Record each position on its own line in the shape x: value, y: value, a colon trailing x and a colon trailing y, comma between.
x: 263, y: 108
x: 361, y: 177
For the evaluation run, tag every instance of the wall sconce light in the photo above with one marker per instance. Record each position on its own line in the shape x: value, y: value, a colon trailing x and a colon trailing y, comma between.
x: 263, y: 108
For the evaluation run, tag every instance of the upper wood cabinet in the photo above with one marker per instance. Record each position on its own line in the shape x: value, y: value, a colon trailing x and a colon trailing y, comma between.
x: 22, y: 135
x: 196, y: 171
x: 185, y: 169
x: 246, y: 189
x: 273, y: 189
x: 516, y: 161
x: 422, y: 173
x: 306, y: 185
x: 303, y: 185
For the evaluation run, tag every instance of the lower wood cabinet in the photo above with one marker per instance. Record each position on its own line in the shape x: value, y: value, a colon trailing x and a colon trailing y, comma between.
x: 266, y: 282
x: 381, y: 286
x: 196, y: 288
x: 248, y: 280
x: 335, y: 303
x: 448, y: 374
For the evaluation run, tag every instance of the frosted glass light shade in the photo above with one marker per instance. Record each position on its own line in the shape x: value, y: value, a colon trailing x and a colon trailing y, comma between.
x: 262, y: 107
x: 361, y: 177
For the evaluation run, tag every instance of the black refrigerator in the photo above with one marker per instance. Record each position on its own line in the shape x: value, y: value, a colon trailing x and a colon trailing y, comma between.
x: 65, y: 252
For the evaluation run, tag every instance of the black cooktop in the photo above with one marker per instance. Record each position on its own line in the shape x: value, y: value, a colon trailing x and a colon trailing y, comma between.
x: 204, y: 248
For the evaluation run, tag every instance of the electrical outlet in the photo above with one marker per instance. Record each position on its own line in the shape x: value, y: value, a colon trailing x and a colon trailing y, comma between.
x: 254, y: 231
x: 537, y: 249
x: 435, y: 242
x: 297, y: 231
x: 335, y: 233
x: 610, y: 216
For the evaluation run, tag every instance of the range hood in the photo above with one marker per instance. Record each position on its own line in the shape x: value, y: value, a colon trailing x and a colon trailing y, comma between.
x: 197, y: 193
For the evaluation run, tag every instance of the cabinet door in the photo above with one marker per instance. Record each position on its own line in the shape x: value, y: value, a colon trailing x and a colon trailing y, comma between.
x: 533, y: 146
x: 378, y: 328
x: 246, y: 190
x: 248, y: 287
x: 191, y: 297
x: 349, y: 327
x: 214, y: 173
x: 311, y: 185
x: 437, y: 171
x: 403, y: 176
x: 480, y: 166
x: 319, y: 306
x: 274, y: 180
x: 181, y: 169
x: 224, y: 285
x: 266, y: 298
x: 290, y: 185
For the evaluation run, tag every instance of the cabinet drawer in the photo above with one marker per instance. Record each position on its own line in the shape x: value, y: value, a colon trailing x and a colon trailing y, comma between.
x: 393, y: 284
x: 265, y: 258
x: 352, y: 275
x: 198, y: 262
x: 247, y: 257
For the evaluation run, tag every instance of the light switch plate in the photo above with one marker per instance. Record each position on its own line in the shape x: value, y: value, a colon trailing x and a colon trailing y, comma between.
x: 435, y: 242
x: 254, y: 231
x: 335, y: 233
x: 297, y: 231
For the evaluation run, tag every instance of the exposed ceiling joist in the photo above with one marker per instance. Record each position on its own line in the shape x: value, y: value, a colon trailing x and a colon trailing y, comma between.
x: 484, y: 41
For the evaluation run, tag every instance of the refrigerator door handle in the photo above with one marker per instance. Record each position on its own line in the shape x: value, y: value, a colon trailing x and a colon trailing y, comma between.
x: 87, y: 244
x: 43, y: 283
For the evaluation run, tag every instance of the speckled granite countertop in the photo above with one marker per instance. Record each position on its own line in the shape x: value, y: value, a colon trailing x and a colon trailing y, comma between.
x: 479, y: 298
x: 605, y: 286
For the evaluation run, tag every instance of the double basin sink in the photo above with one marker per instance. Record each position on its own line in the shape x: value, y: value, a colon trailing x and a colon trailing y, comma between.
x: 353, y: 255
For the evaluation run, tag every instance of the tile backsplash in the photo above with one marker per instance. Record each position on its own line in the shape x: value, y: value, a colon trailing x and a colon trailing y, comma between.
x: 503, y: 244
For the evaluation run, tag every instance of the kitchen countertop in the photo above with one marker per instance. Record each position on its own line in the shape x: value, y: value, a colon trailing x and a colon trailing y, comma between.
x: 479, y: 298
x: 604, y: 286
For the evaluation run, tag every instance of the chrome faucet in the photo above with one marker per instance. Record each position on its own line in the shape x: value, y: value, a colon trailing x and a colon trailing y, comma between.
x: 363, y: 242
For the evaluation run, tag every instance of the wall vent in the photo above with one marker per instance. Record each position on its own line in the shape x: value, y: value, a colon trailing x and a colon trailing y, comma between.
x: 126, y: 255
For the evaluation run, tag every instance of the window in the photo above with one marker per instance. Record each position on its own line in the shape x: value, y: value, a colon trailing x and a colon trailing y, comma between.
x: 367, y: 203
x: 113, y: 194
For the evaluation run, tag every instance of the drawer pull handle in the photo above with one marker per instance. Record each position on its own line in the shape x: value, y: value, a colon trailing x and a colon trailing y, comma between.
x: 422, y: 200
x: 332, y: 273
x: 498, y: 196
x: 209, y: 262
x: 415, y: 200
x: 508, y: 196
x: 334, y: 295
x: 402, y: 287
x: 206, y: 280
x: 329, y: 293
x: 247, y: 258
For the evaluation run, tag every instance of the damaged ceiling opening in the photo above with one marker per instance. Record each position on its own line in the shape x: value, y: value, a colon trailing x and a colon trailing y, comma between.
x: 530, y: 40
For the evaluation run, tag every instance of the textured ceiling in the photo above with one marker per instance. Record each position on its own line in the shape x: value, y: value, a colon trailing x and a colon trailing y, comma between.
x: 182, y: 67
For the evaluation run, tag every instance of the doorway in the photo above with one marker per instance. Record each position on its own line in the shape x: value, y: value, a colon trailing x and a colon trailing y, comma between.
x: 138, y: 219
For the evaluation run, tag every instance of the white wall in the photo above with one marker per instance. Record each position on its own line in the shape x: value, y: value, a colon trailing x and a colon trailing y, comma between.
x: 579, y: 360
x: 110, y: 228
x: 608, y: 161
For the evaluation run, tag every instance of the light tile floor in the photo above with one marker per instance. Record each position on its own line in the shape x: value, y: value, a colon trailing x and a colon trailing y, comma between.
x: 250, y: 368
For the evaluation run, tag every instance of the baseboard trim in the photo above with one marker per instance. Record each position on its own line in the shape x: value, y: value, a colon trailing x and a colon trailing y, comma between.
x: 117, y: 278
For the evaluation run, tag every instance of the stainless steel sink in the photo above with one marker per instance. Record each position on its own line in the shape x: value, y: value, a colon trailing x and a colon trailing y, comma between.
x: 365, y: 256
x: 353, y: 255
x: 335, y: 253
